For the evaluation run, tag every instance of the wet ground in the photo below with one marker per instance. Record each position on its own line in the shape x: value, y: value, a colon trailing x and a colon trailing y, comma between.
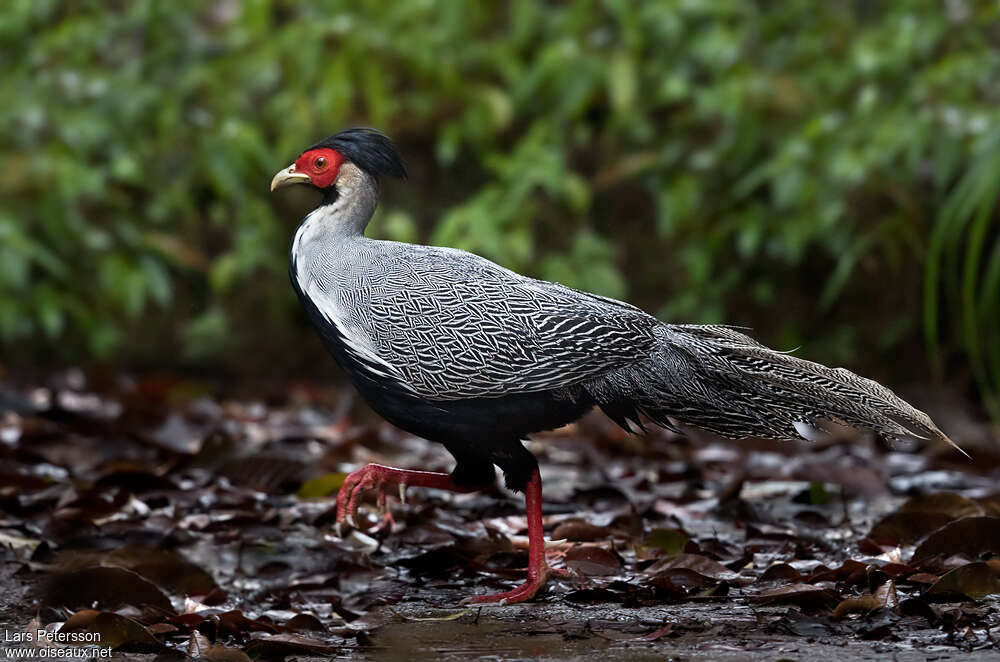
x: 171, y: 518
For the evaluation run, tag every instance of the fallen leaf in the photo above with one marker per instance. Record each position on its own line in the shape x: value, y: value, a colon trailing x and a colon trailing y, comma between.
x: 780, y: 572
x: 304, y: 622
x: 953, y: 504
x: 887, y: 596
x: 107, y: 586
x: 906, y: 528
x: 922, y: 578
x: 678, y: 580
x: 852, y: 605
x: 990, y: 504
x: 971, y: 537
x: 803, y: 595
x: 579, y: 531
x: 198, y: 644
x: 162, y: 628
x: 283, y: 645
x: 316, y: 488
x: 225, y: 654
x: 15, y: 483
x: 165, y: 567
x: 974, y: 580
x: 235, y: 623
x: 114, y: 631
x: 656, y: 634
x: 593, y: 561
x: 80, y: 619
x: 702, y: 565
x: 850, y: 573
x: 671, y: 541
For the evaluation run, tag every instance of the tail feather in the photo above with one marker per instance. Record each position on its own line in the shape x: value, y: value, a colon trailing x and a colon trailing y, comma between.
x: 718, y: 379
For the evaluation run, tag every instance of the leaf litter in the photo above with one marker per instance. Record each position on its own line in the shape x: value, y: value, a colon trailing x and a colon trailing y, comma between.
x: 173, y: 518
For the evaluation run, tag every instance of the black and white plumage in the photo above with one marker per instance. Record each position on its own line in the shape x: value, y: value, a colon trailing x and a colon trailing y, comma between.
x: 459, y: 350
x: 462, y: 345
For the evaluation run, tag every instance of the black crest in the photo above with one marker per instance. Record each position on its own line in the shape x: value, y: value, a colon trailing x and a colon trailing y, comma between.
x: 370, y: 150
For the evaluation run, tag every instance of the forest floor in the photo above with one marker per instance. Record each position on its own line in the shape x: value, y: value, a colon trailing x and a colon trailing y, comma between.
x: 165, y: 518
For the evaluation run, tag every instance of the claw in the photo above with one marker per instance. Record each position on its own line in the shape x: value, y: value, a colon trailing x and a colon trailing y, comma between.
x: 338, y: 530
x: 402, y: 493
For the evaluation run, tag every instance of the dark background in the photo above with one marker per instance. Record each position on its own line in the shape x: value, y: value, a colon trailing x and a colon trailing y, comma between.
x: 825, y: 173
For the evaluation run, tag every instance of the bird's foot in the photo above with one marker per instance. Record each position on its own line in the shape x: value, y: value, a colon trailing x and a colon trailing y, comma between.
x: 369, y: 477
x: 378, y: 477
x: 526, y: 591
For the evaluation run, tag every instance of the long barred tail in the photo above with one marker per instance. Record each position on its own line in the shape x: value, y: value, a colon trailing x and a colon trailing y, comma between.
x: 720, y: 380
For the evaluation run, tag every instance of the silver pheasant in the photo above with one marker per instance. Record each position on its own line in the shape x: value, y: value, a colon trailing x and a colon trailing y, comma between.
x: 462, y: 351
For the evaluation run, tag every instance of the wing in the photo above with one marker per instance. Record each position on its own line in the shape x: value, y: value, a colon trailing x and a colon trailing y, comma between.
x: 450, y: 325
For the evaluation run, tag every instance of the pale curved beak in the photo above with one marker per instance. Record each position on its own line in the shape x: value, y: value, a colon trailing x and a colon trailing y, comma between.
x: 289, y: 176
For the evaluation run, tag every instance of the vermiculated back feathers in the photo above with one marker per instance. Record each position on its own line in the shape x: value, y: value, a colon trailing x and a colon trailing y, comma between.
x: 451, y: 325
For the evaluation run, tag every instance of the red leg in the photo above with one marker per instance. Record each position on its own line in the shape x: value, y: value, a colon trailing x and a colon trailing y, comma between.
x: 538, y: 568
x: 375, y: 476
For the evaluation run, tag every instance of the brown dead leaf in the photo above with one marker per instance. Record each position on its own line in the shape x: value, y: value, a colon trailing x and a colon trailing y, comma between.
x: 974, y: 580
x: 225, y: 654
x: 990, y: 504
x: 922, y: 578
x: 850, y: 573
x: 884, y: 598
x: 702, y: 565
x: 861, y: 603
x: 970, y: 537
x: 955, y: 505
x: 671, y: 541
x: 198, y: 644
x: 169, y: 569
x: 14, y: 483
x: 920, y: 516
x: 107, y: 586
x: 906, y: 528
x: 678, y: 580
x: 235, y: 623
x: 283, y: 645
x: 897, y: 570
x: 114, y: 631
x: 780, y: 572
x: 578, y: 530
x: 803, y: 595
x: 165, y: 567
x: 81, y: 619
x: 304, y: 622
x: 593, y: 561
x: 887, y: 596
x: 666, y: 630
x: 162, y: 628
x: 187, y: 620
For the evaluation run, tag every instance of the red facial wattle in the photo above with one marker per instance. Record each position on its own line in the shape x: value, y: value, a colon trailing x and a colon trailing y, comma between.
x: 322, y: 165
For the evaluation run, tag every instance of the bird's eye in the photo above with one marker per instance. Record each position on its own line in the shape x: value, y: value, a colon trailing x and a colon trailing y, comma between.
x: 320, y: 162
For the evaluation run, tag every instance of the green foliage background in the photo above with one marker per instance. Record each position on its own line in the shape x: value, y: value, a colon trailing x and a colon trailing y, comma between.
x: 826, y: 173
